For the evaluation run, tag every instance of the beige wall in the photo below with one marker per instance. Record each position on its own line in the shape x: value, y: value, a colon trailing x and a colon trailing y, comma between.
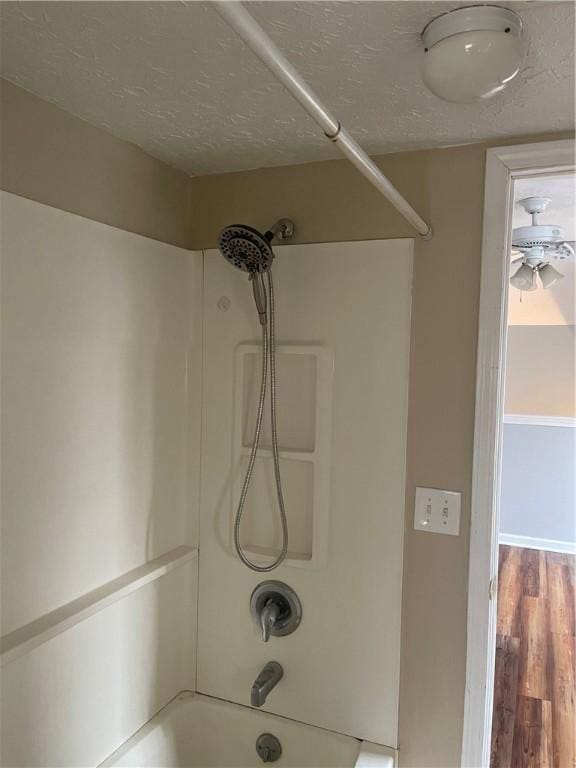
x: 540, y: 370
x: 54, y: 158
x: 329, y: 202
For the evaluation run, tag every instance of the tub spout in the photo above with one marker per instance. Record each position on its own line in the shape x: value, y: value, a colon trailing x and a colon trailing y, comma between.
x: 267, y: 679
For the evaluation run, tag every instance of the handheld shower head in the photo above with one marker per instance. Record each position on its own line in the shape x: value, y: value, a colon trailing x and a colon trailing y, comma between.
x: 245, y: 248
x: 250, y: 251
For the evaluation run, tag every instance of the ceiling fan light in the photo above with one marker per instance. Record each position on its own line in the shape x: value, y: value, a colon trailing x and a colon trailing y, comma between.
x: 471, y: 54
x: 549, y: 276
x: 524, y: 279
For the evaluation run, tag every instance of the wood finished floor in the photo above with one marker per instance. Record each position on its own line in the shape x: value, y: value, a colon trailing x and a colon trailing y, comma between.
x: 534, y: 723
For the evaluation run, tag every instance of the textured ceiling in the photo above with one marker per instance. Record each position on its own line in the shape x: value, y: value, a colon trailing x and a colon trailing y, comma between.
x: 174, y: 79
x: 556, y: 305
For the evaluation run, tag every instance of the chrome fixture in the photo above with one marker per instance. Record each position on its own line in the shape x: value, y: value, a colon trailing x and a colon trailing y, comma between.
x: 268, y: 617
x: 249, y: 250
x: 246, y: 27
x: 276, y: 609
x: 270, y: 676
x: 283, y: 229
x: 268, y: 748
x: 472, y: 53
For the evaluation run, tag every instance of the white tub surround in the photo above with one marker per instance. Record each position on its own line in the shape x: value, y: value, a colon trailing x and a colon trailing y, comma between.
x: 101, y: 361
x: 23, y: 640
x: 341, y: 666
x: 103, y: 368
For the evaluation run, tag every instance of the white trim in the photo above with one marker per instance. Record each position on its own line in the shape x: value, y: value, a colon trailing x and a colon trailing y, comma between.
x: 529, y: 420
x: 503, y: 164
x: 30, y: 636
x: 546, y: 545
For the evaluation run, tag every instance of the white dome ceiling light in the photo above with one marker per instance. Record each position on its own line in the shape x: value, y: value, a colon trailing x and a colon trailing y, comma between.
x: 538, y: 244
x: 472, y: 54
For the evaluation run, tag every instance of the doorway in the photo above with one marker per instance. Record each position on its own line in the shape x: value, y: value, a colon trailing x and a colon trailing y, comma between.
x: 533, y: 708
x: 532, y: 572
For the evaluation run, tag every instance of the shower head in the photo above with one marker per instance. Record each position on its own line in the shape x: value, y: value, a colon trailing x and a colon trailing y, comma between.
x: 249, y: 250
x: 246, y: 248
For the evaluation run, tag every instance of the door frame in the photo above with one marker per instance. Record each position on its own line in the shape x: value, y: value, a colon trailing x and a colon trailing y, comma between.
x: 503, y: 165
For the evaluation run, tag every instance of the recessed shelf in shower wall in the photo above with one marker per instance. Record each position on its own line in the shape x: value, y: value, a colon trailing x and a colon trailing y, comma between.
x: 304, y: 405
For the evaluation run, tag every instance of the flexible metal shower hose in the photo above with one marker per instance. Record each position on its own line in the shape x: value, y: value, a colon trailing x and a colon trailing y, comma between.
x: 268, y: 355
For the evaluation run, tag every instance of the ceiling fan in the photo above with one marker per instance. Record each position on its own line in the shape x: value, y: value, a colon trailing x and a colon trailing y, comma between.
x: 539, y: 244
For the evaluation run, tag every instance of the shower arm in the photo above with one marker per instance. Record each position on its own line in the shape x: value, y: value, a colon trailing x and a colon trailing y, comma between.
x: 262, y: 46
x: 283, y: 229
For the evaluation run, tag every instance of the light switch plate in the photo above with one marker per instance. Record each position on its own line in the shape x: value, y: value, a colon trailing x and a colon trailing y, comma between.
x: 437, y: 511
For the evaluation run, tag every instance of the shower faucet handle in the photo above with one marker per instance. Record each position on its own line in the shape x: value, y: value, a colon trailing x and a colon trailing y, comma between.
x: 276, y: 609
x: 268, y: 618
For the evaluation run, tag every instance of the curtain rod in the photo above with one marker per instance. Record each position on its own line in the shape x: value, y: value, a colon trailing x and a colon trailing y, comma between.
x: 262, y: 46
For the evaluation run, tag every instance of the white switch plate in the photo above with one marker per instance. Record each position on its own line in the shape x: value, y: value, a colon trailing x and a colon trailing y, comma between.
x: 437, y: 511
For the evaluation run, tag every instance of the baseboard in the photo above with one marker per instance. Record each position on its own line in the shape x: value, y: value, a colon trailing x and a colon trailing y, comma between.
x: 547, y: 545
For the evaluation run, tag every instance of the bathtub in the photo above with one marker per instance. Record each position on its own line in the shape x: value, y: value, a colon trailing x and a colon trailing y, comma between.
x: 196, y: 731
